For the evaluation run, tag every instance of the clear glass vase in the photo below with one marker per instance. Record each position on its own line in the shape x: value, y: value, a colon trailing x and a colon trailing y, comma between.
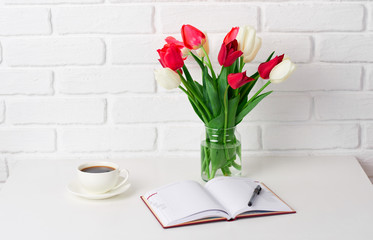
x: 220, y: 153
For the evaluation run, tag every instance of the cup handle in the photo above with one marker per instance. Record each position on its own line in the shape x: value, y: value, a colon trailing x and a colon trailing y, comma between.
x: 124, y: 180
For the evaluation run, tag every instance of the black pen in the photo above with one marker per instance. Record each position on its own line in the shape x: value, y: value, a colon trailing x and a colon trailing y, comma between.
x: 255, y: 193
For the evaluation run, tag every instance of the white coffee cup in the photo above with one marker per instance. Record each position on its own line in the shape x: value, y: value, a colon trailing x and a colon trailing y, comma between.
x: 101, y: 177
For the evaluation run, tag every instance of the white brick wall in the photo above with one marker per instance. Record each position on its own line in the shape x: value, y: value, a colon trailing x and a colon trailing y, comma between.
x: 26, y: 82
x: 54, y: 51
x: 76, y: 78
x: 116, y: 80
x: 15, y: 140
x: 56, y: 111
x: 24, y: 21
x: 107, y: 19
x: 312, y: 17
x: 109, y: 139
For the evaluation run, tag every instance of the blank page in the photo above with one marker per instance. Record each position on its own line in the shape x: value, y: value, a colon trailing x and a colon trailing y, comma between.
x: 181, y: 200
x: 234, y: 194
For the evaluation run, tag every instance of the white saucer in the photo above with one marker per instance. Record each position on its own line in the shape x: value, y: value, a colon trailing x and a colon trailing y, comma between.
x: 76, y: 189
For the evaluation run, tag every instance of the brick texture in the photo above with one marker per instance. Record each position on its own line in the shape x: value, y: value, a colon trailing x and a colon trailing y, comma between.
x: 27, y: 82
x: 108, y: 19
x: 344, y: 106
x: 124, y: 52
x: 157, y: 109
x: 54, y: 51
x: 196, y: 16
x: 51, y: 1
x: 77, y: 78
x: 105, y: 80
x: 109, y: 139
x: 27, y: 140
x: 56, y: 111
x: 291, y: 137
x: 25, y: 21
x: 323, y: 77
x: 345, y: 48
x: 314, y: 17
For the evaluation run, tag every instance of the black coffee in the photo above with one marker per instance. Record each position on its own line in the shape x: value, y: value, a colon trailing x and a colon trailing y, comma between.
x: 97, y: 169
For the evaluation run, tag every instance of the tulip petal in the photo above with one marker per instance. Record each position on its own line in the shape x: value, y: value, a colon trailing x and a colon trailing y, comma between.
x: 174, y: 59
x: 265, y: 68
x: 193, y: 38
x: 249, y: 41
x: 231, y: 35
x: 171, y: 56
x: 167, y: 78
x: 222, y: 54
x: 282, y: 71
x: 252, y: 55
x: 171, y: 40
x: 231, y: 58
x: 241, y: 36
x: 237, y: 80
x: 205, y: 46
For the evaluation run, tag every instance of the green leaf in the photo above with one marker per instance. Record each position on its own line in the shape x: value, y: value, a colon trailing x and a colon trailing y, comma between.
x: 232, y: 109
x: 211, y: 93
x: 222, y: 83
x: 187, y: 74
x: 200, y: 63
x: 206, y: 99
x: 193, y: 85
x: 250, y: 106
x: 196, y: 110
x: 246, y: 89
x: 198, y: 87
x: 270, y: 56
x: 217, y: 122
x: 243, y: 101
x: 237, y: 65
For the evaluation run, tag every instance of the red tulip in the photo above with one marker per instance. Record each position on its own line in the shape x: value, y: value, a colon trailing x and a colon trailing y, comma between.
x: 171, y: 56
x: 231, y: 35
x: 228, y: 53
x: 236, y: 80
x: 179, y: 45
x: 265, y: 68
x: 173, y: 40
x: 192, y: 37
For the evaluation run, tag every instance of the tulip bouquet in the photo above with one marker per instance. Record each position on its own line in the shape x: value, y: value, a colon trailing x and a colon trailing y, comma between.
x: 222, y: 100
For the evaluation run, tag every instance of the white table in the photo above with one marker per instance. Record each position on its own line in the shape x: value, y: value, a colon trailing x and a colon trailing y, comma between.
x: 332, y: 195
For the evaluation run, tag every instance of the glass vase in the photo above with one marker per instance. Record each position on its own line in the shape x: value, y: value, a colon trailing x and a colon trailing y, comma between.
x: 220, y: 153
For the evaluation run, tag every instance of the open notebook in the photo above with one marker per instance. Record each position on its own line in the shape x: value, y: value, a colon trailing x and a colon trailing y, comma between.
x: 224, y: 198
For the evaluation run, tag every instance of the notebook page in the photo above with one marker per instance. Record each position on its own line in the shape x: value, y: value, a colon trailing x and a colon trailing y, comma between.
x: 234, y: 194
x: 180, y: 200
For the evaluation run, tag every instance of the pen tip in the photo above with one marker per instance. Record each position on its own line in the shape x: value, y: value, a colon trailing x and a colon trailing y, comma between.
x: 249, y: 204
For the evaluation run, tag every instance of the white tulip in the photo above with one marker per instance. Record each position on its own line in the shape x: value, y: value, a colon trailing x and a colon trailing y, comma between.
x: 167, y: 78
x: 248, y: 42
x: 281, y: 71
x: 252, y: 55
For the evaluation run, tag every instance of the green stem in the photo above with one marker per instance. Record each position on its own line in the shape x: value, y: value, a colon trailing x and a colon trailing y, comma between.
x: 242, y: 64
x: 225, y: 111
x: 247, y: 88
x: 236, y: 166
x: 256, y: 94
x: 195, y: 103
x: 225, y: 123
x: 259, y: 91
x: 209, y: 63
x: 195, y: 95
x: 207, y: 162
